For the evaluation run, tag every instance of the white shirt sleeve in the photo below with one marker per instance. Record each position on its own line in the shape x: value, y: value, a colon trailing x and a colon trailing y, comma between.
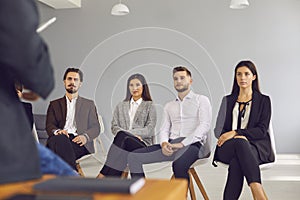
x: 165, y: 128
x: 205, y: 117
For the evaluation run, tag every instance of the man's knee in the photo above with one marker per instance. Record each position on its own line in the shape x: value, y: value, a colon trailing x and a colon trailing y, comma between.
x: 58, y: 140
x: 179, y: 166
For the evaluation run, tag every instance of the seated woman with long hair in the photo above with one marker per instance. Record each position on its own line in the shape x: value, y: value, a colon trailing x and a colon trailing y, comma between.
x: 241, y: 129
x: 133, y: 125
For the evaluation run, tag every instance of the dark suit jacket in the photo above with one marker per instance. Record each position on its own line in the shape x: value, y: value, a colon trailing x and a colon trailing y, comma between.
x: 86, y: 118
x: 257, y: 129
x: 23, y: 57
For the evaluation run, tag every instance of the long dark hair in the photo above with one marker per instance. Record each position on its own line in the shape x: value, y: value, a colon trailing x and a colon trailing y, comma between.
x: 250, y: 65
x: 146, y: 93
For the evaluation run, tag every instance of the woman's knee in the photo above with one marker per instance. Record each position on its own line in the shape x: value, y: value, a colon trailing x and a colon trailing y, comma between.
x: 241, y: 143
x: 121, y: 134
x: 119, y: 138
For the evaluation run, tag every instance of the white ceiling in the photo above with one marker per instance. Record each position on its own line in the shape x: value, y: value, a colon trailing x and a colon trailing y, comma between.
x: 62, y: 4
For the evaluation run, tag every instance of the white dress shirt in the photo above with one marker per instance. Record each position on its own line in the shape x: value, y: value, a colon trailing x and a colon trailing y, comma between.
x: 189, y: 118
x: 70, y: 125
x: 133, y: 108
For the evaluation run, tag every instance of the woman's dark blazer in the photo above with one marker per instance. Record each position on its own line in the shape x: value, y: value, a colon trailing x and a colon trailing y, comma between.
x: 258, y: 124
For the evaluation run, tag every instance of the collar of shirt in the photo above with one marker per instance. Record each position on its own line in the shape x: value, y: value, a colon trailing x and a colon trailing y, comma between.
x: 72, y: 100
x: 188, y: 96
x: 137, y: 102
x: 133, y: 108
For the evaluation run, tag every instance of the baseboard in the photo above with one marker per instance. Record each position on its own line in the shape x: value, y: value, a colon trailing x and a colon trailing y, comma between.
x: 288, y: 159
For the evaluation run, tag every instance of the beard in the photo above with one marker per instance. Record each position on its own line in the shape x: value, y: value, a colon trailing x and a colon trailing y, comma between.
x: 71, y: 90
x: 183, y: 89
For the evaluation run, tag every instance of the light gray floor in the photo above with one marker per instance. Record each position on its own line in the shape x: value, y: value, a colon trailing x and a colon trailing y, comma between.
x: 282, y: 181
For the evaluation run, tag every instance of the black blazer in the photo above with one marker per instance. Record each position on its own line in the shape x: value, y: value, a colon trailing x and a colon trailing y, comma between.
x: 257, y: 129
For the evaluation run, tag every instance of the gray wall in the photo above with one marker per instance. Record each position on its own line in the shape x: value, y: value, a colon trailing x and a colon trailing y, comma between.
x: 207, y: 36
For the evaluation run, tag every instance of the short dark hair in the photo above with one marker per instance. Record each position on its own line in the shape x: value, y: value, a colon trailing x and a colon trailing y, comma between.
x: 250, y: 65
x: 76, y: 70
x: 146, y: 92
x: 182, y: 69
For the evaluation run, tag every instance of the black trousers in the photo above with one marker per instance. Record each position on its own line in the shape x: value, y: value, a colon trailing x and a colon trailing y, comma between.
x: 116, y: 160
x: 182, y: 159
x: 64, y: 147
x: 243, y: 161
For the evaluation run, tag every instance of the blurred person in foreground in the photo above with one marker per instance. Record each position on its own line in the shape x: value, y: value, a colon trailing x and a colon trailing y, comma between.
x: 23, y: 57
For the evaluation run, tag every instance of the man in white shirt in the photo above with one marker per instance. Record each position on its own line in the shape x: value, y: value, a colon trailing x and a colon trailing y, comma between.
x: 184, y: 130
x: 72, y: 121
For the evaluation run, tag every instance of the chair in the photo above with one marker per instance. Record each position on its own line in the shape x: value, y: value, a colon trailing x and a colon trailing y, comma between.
x: 97, y: 145
x: 40, y: 128
x: 206, y: 151
x: 273, y: 146
x: 34, y: 133
x: 193, y: 175
x: 192, y: 172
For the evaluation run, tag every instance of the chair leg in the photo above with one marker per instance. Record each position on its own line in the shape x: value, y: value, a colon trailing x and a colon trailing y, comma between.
x: 193, y: 172
x: 79, y: 170
x: 125, y: 173
x: 191, y: 188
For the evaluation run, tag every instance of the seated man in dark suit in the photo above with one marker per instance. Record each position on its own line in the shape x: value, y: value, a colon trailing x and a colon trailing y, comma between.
x: 72, y: 121
x: 50, y: 163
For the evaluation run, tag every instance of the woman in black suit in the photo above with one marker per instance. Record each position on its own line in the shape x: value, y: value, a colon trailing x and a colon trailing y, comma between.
x: 241, y: 129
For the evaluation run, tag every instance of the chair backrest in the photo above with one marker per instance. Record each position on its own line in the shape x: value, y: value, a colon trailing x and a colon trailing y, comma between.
x: 97, y: 141
x: 205, y: 151
x: 40, y: 125
x: 273, y: 146
x: 34, y: 133
x: 101, y: 124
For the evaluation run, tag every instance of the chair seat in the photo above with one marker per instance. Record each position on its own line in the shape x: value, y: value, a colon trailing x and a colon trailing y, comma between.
x: 262, y: 166
x: 273, y: 147
x: 201, y: 161
x: 266, y: 166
